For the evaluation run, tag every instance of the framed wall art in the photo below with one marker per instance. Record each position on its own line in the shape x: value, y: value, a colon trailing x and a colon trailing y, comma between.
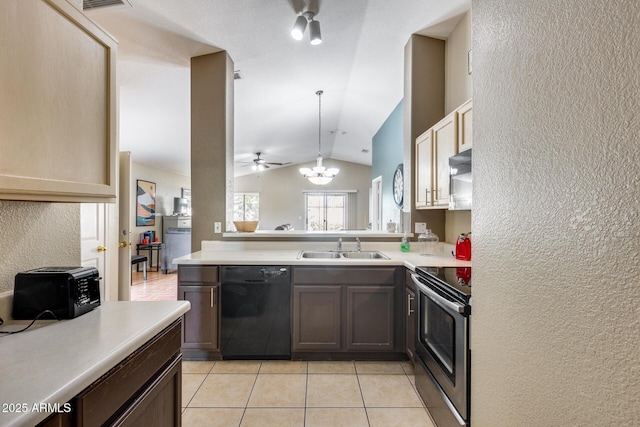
x: 145, y: 203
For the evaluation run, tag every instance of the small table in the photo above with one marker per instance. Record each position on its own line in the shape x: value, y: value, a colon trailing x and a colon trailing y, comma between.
x: 151, y: 247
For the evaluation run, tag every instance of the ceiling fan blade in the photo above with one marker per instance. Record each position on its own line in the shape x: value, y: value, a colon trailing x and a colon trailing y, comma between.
x: 278, y: 164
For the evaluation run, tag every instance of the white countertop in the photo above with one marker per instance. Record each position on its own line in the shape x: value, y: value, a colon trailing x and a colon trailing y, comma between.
x: 287, y: 253
x: 55, y: 362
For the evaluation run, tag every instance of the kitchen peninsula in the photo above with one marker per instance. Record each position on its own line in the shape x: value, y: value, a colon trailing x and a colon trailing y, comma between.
x: 337, y: 300
x: 114, y: 363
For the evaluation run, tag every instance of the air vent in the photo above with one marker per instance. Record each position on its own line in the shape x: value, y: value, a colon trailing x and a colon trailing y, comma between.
x: 94, y: 4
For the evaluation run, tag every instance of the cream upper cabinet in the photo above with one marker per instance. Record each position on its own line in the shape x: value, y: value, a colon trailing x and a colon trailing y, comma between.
x: 446, y: 138
x: 58, y: 106
x: 445, y: 145
x: 424, y: 170
x: 465, y: 119
x: 433, y: 149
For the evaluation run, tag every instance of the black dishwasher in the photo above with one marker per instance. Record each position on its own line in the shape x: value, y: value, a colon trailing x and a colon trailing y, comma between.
x: 255, y: 319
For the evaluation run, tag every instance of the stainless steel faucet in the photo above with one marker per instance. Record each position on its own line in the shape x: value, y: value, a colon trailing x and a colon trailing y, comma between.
x: 358, y: 244
x: 340, y: 243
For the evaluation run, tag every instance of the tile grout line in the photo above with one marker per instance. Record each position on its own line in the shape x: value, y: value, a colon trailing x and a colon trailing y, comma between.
x: 250, y: 393
x: 197, y: 389
x: 306, y: 393
x: 413, y: 386
x: 364, y: 405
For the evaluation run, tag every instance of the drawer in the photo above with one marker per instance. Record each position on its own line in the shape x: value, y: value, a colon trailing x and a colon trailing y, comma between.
x: 188, y: 274
x: 344, y: 276
x: 108, y: 396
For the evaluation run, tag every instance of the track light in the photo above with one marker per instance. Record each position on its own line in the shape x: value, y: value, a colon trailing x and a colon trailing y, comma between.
x: 314, y: 32
x: 297, y: 32
x: 298, y: 28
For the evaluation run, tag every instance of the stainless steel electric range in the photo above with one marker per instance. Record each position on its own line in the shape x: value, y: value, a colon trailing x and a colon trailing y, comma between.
x: 443, y: 356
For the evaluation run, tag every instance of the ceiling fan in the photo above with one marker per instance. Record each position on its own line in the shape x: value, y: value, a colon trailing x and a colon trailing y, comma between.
x: 259, y: 164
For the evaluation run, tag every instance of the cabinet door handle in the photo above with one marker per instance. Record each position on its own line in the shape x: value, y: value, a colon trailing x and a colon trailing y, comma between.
x: 409, y: 310
x: 211, y: 297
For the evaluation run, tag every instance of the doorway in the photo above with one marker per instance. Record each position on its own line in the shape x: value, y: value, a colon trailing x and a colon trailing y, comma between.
x: 376, y: 203
x: 326, y: 211
x: 93, y: 241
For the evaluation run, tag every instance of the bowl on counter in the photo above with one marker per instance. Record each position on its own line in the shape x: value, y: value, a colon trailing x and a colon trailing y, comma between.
x: 246, y: 226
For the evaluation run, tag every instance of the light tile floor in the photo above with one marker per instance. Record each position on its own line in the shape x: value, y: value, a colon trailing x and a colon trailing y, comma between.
x: 309, y: 394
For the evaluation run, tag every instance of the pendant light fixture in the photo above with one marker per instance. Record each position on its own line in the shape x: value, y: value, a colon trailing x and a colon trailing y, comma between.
x: 297, y: 32
x: 319, y: 175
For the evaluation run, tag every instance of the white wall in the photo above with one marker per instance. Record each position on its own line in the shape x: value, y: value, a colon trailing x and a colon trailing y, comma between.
x: 168, y: 186
x: 282, y: 197
x: 556, y: 306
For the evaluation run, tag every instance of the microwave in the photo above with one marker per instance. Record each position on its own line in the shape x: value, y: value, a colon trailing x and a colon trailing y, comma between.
x: 460, y: 181
x: 67, y: 291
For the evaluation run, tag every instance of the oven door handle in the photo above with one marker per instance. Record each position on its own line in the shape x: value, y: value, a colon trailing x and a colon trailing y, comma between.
x: 445, y: 303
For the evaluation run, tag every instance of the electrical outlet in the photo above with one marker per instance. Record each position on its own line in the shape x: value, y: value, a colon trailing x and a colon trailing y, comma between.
x: 421, y: 227
x: 217, y: 227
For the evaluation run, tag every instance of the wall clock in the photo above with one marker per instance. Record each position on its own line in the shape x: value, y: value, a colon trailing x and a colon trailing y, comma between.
x: 398, y: 186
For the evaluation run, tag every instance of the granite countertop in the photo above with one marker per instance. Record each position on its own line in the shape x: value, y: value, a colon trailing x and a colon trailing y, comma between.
x: 287, y: 253
x: 56, y: 361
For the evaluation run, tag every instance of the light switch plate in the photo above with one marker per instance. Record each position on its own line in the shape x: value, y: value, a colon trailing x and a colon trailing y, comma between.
x: 421, y: 227
x: 217, y: 227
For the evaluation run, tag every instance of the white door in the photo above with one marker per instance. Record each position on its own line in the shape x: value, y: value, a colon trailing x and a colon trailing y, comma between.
x: 376, y: 204
x: 125, y: 224
x: 93, y: 240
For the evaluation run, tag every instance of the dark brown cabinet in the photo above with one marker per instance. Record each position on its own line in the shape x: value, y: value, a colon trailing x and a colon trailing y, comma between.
x: 144, y: 390
x: 370, y: 318
x: 410, y: 316
x: 347, y: 310
x: 317, y: 318
x: 201, y: 324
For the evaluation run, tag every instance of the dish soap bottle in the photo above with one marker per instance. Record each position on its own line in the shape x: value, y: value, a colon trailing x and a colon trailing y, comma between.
x: 428, y: 243
x: 405, y: 245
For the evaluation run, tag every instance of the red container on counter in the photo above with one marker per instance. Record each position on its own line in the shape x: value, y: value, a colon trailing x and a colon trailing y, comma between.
x: 463, y: 247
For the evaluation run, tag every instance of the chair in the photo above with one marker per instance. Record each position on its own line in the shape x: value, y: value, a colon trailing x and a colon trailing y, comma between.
x: 137, y: 259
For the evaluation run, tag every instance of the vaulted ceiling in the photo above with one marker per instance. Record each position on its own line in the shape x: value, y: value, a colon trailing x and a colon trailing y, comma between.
x: 359, y: 66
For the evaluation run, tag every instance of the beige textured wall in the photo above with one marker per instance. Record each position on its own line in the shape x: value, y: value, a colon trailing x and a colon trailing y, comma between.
x: 556, y: 306
x: 37, y: 235
x: 282, y: 197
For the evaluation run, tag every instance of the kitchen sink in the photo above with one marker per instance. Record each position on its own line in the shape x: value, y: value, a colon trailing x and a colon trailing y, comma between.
x: 342, y: 255
x: 364, y: 255
x: 319, y: 254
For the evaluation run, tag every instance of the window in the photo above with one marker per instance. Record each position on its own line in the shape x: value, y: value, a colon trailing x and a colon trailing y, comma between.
x: 326, y: 211
x: 246, y: 206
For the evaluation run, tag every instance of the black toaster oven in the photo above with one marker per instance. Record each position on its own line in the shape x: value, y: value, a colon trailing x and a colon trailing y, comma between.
x: 67, y: 291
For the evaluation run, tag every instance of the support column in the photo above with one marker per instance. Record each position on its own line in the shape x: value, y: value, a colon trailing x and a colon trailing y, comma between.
x: 424, y: 98
x: 211, y: 145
